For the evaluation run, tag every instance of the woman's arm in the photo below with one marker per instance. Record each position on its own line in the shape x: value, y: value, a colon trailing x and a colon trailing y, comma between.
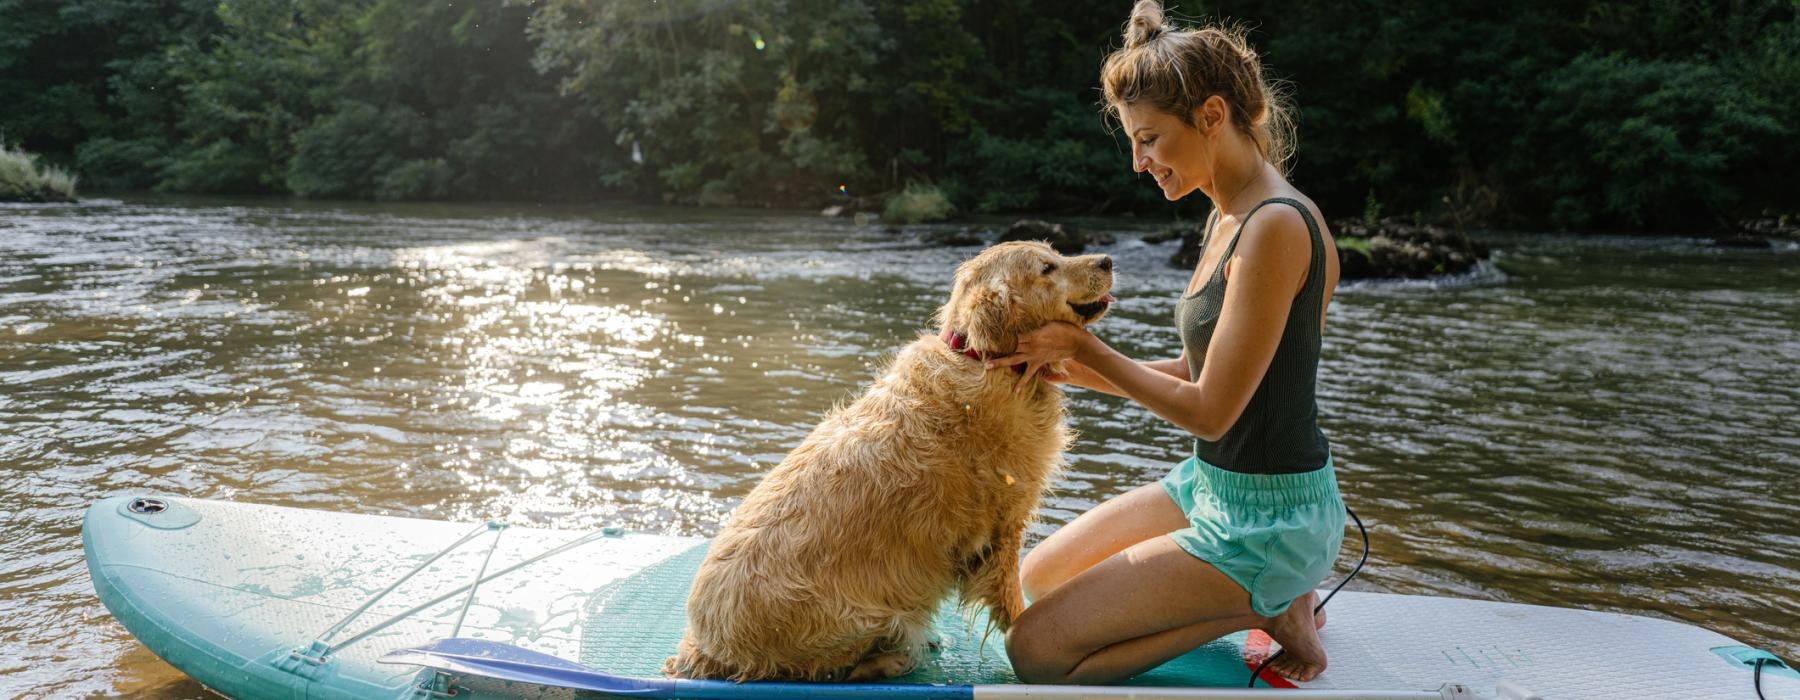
x: 1268, y: 268
x: 1085, y: 377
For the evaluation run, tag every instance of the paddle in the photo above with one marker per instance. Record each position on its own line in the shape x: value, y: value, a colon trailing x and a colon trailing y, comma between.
x: 505, y: 662
x: 479, y: 657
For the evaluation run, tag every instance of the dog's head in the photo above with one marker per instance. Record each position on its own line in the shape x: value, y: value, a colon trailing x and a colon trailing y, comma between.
x: 1013, y: 288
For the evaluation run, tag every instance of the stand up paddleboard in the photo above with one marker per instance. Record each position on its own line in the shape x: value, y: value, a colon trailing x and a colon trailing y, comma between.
x: 266, y: 602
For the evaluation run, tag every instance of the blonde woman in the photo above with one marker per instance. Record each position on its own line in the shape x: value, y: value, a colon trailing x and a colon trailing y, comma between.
x: 1239, y: 534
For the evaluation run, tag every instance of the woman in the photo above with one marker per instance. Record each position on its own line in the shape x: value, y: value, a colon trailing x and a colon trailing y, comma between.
x: 1238, y: 535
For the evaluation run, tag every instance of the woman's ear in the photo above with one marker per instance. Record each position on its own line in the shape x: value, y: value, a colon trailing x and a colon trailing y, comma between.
x: 1212, y: 114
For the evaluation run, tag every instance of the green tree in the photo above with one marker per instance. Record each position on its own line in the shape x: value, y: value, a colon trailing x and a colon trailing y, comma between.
x: 268, y: 76
x: 730, y: 101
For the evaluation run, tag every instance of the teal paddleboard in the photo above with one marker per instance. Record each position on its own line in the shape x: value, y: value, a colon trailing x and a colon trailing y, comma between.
x: 272, y: 602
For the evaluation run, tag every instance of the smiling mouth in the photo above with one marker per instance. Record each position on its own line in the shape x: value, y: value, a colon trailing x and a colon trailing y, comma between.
x: 1091, y: 310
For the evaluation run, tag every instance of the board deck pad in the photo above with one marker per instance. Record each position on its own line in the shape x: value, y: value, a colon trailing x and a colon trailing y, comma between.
x: 228, y: 592
x: 634, y: 624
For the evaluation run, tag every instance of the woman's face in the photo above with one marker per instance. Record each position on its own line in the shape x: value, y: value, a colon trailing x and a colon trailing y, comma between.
x: 1177, y: 155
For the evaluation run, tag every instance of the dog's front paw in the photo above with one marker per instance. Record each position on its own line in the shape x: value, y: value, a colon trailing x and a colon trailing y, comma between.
x: 884, y: 665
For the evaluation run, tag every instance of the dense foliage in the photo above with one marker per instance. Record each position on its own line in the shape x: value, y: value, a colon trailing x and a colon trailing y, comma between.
x: 1603, y: 113
x: 1658, y: 114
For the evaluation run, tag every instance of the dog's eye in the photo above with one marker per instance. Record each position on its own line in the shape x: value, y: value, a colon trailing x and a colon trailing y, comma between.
x: 1049, y: 267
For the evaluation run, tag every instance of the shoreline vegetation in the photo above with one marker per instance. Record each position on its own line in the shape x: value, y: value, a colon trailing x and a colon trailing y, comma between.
x: 23, y: 179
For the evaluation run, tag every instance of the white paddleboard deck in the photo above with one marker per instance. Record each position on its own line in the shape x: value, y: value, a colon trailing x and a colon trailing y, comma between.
x: 228, y: 591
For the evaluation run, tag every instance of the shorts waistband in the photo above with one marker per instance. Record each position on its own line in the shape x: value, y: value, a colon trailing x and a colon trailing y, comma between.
x: 1299, y: 489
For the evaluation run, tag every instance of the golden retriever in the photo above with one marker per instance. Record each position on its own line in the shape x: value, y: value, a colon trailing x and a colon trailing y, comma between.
x: 833, y: 566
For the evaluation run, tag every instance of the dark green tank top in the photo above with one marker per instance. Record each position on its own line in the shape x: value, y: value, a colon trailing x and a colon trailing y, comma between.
x: 1278, y: 432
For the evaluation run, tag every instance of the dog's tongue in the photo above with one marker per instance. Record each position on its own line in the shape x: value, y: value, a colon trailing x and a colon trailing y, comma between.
x: 1108, y: 299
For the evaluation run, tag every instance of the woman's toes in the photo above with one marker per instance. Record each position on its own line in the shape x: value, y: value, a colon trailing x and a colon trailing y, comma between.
x: 1293, y: 667
x: 1297, y: 631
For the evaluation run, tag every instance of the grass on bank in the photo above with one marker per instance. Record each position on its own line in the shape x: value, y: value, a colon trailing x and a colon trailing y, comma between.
x: 917, y: 204
x: 21, y: 179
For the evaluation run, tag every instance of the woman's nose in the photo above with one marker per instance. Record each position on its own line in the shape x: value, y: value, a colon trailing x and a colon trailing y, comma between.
x: 1139, y: 163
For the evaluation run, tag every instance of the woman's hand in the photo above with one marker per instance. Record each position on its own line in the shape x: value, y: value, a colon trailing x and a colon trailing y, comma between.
x: 1053, y: 342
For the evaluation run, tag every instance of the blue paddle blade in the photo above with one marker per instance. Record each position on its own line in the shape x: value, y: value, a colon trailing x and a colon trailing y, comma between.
x: 479, y: 657
x: 505, y: 662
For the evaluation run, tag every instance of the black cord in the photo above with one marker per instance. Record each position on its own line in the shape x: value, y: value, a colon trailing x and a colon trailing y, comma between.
x: 1351, y: 575
x: 1757, y: 678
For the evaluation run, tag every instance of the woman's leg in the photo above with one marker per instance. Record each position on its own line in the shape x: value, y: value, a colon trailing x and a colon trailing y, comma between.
x: 1122, y: 521
x: 1140, y: 608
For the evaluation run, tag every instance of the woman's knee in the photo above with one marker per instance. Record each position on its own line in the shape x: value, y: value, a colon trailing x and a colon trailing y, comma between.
x: 1034, y: 655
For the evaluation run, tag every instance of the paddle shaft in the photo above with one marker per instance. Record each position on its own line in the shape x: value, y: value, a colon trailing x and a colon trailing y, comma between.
x: 474, y: 661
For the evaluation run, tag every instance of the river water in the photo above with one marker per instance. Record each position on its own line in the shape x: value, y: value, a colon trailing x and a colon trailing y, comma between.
x: 1606, y: 423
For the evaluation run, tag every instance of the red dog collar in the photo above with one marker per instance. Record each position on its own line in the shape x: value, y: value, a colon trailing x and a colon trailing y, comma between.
x: 960, y: 343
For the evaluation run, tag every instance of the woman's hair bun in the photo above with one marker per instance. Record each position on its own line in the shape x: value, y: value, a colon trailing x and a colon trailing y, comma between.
x: 1146, y: 23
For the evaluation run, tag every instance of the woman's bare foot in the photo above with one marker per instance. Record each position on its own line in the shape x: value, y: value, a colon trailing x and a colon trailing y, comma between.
x: 1297, y: 631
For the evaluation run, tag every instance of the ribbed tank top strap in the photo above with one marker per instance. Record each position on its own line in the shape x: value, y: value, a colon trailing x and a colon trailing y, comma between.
x: 1231, y: 246
x: 1312, y: 294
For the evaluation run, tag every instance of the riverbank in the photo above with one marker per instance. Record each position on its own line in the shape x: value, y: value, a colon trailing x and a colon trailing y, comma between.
x: 22, y: 179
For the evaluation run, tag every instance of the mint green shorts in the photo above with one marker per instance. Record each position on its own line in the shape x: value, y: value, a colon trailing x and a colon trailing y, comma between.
x: 1276, y: 535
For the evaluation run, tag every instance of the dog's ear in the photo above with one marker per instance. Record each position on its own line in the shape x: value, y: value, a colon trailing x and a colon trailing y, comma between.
x: 982, y: 310
x: 949, y: 316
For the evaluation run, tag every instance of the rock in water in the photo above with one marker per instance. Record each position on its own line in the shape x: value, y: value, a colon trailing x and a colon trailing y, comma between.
x: 1067, y: 240
x: 1390, y: 249
x: 1400, y: 250
x: 957, y: 237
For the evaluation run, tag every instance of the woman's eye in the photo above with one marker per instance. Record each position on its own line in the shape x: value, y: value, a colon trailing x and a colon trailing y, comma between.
x: 1146, y: 142
x: 1049, y: 268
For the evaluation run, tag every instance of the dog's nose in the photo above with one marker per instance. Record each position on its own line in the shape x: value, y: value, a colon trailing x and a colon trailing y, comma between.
x: 1106, y: 263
